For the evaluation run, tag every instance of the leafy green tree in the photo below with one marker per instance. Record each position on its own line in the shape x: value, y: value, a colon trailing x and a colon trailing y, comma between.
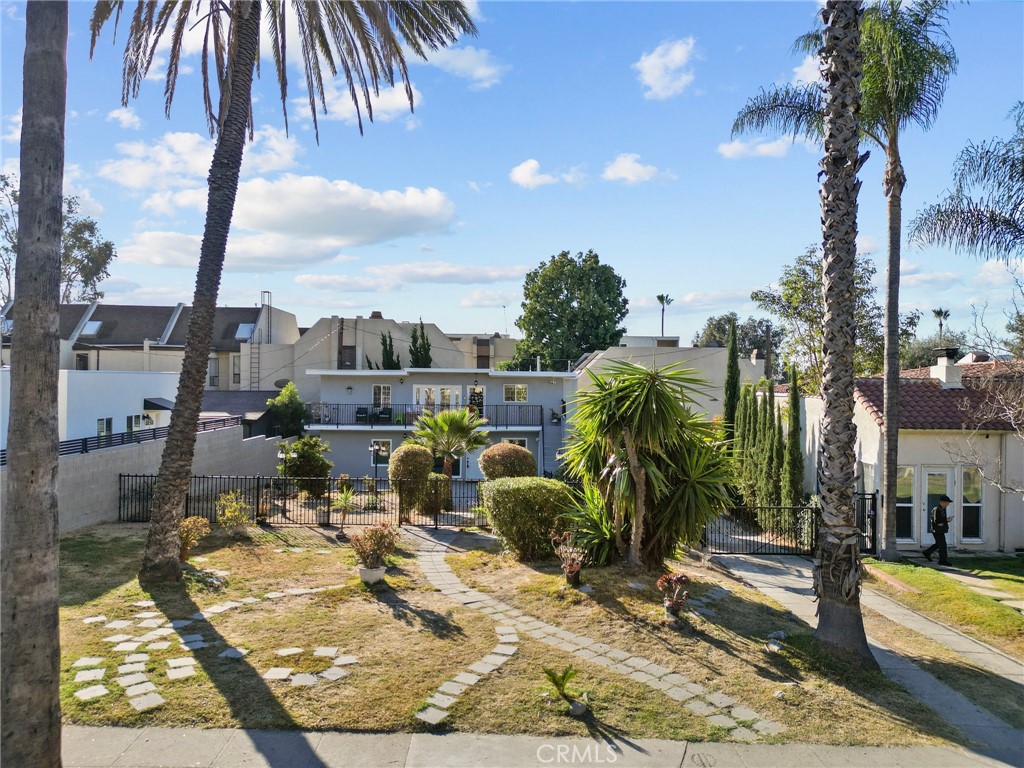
x: 920, y: 352
x: 984, y: 213
x: 30, y: 660
x: 571, y: 305
x: 389, y: 361
x: 287, y: 412
x: 85, y: 256
x: 1016, y: 330
x: 793, y: 467
x: 753, y: 333
x: 304, y: 458
x: 450, y: 435
x: 732, y: 386
x: 366, y: 41
x: 419, y: 348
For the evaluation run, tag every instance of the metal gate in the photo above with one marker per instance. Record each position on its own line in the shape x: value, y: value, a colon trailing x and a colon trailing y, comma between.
x: 866, y: 508
x: 764, y: 531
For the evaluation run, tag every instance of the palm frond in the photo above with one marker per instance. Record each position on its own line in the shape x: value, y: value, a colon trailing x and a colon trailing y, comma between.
x: 792, y: 110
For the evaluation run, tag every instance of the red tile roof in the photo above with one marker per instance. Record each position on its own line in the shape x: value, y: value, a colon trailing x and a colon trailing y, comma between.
x: 967, y: 370
x: 924, y: 404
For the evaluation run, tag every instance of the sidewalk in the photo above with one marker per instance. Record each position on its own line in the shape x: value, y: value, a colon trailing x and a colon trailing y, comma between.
x: 219, y: 748
x: 788, y: 581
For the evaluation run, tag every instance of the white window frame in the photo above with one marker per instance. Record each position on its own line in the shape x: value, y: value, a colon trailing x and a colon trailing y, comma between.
x: 517, y: 390
x: 375, y: 456
x: 421, y: 391
x: 521, y: 441
x: 104, y: 426
x: 963, y: 505
x: 236, y: 369
x: 913, y: 500
x: 213, y: 372
x: 133, y: 422
x: 381, y: 396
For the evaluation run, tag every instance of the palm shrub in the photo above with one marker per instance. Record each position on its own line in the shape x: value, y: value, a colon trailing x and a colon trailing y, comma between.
x: 524, y: 511
x: 408, y: 470
x: 592, y: 525
x: 304, y: 459
x: 507, y: 460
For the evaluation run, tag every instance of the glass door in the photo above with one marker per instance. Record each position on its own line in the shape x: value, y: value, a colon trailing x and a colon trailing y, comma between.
x: 938, y: 481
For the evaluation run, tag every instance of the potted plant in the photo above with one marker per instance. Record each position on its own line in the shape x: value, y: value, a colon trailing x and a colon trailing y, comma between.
x: 671, y: 586
x: 560, y: 680
x: 571, y: 556
x: 372, y: 548
x: 342, y: 504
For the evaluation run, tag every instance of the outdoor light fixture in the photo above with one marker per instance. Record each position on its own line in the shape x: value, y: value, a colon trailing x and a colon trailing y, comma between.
x: 348, y: 390
x: 476, y: 382
x: 148, y: 420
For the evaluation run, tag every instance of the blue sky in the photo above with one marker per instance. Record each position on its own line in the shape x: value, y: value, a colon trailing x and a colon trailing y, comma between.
x: 562, y: 126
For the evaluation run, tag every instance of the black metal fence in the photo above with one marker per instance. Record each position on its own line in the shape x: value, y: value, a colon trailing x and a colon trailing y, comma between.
x: 764, y: 531
x: 866, y: 508
x: 117, y: 439
x: 366, y: 414
x: 306, y: 501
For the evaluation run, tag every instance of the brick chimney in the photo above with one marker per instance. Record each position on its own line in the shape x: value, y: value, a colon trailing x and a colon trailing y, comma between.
x: 946, y: 371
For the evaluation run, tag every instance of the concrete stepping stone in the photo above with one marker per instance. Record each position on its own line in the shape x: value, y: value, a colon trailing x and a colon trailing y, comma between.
x: 722, y: 721
x: 695, y: 688
x: 151, y: 623
x: 742, y: 734
x: 94, y: 619
x: 508, y: 638
x: 250, y: 600
x: 128, y: 669
x: 505, y: 629
x: 146, y: 603
x: 274, y: 595
x: 721, y: 700
x: 180, y: 673
x: 699, y: 707
x: 232, y: 604
x: 679, y: 694
x: 149, y: 701
x: 586, y: 589
x: 119, y: 624
x: 194, y: 646
x: 298, y: 591
x: 616, y: 655
x: 138, y: 690
x: 127, y: 647
x: 451, y: 688
x: 162, y: 632
x: 636, y: 585
x: 288, y: 651
x: 465, y: 678
x: 90, y: 675
x: 334, y: 673
x: 325, y: 651
x: 767, y: 727
x: 233, y: 653
x: 343, y: 661
x: 127, y: 681
x: 304, y: 679
x: 118, y: 638
x: 222, y: 574
x: 92, y: 692
x: 505, y: 650
x: 432, y: 715
x: 674, y: 679
x: 149, y: 615
x: 136, y: 657
x: 481, y: 668
x: 494, y: 659
x: 148, y: 637
x: 163, y: 645
x: 216, y: 609
x: 89, y: 661
x: 202, y: 615
x: 296, y: 549
x: 190, y: 638
x: 277, y: 673
x: 744, y: 713
x: 441, y: 700
x: 183, y: 661
x: 656, y: 670
x: 179, y: 623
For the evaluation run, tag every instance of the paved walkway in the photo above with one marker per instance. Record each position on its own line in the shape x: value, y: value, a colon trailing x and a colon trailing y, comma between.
x: 975, y: 583
x: 788, y: 580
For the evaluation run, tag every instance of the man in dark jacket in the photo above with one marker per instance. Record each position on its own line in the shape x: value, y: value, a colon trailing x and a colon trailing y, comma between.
x: 938, y: 521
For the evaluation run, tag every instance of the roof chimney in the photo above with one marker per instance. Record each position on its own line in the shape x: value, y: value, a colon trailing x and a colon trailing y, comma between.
x: 946, y: 370
x: 376, y: 315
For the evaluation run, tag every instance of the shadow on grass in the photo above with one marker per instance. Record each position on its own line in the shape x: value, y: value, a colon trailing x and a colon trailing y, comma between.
x: 92, y: 565
x: 614, y: 738
x: 439, y: 625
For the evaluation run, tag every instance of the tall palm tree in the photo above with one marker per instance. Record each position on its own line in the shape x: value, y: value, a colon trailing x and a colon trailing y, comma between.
x: 984, y: 213
x: 908, y: 61
x: 29, y: 629
x: 837, y: 568
x: 941, y: 315
x: 450, y: 435
x: 664, y: 299
x: 364, y: 41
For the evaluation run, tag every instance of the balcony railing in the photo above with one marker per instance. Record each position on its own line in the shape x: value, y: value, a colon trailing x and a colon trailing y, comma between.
x: 404, y: 415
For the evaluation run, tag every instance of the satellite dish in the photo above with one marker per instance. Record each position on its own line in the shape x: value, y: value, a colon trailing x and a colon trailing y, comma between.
x: 281, y: 383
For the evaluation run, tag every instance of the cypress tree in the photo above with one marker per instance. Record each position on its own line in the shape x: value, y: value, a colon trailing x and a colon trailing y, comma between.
x: 793, y: 469
x: 778, y: 459
x: 764, y: 446
x: 732, y: 383
x: 750, y: 424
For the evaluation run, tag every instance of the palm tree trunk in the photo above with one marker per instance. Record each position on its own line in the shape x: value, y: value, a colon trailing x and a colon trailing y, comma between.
x: 894, y: 182
x: 636, y: 470
x: 30, y: 644
x: 160, y: 561
x: 837, y: 567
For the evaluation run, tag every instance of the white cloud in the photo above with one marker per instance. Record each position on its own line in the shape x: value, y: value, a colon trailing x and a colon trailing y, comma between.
x: 13, y: 132
x: 663, y: 71
x: 392, y: 103
x: 125, y: 117
x: 759, y: 148
x: 446, y: 272
x: 478, y: 186
x: 474, y: 64
x: 710, y: 299
x: 917, y: 279
x: 345, y: 283
x: 173, y: 160
x: 806, y: 71
x: 272, y: 150
x: 866, y: 244
x: 158, y: 69
x: 994, y: 274
x: 527, y: 174
x: 628, y: 168
x: 73, y: 187
x: 484, y: 298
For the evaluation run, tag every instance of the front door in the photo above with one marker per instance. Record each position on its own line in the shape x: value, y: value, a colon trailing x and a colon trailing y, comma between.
x: 937, y: 481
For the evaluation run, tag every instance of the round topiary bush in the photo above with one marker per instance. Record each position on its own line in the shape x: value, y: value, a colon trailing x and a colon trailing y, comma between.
x: 408, y: 470
x: 438, y: 496
x: 525, y: 510
x: 507, y: 460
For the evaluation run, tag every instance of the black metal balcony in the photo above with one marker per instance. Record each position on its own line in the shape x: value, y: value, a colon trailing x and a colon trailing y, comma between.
x: 404, y: 415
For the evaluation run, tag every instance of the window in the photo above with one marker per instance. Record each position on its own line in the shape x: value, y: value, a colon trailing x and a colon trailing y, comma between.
x: 133, y: 422
x: 244, y: 332
x: 213, y: 373
x: 437, y: 397
x: 515, y: 393
x: 91, y: 328
x: 82, y: 361
x: 380, y: 453
x: 904, y: 502
x: 970, y: 506
x: 520, y: 441
x: 236, y: 369
x: 475, y: 398
x: 381, y: 395
x: 104, y: 427
x: 6, y: 325
x: 456, y: 466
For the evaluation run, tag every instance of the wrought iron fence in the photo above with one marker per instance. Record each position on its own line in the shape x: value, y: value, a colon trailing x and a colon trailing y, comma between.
x: 399, y: 414
x: 117, y: 439
x: 306, y: 501
x: 764, y: 531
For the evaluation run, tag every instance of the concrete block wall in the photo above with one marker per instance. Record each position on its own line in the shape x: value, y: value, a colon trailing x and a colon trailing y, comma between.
x: 88, y: 482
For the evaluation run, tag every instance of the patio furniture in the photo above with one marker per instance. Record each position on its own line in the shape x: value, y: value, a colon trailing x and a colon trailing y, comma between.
x: 362, y: 415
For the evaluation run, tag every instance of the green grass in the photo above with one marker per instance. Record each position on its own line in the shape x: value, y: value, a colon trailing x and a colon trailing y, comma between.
x: 950, y: 602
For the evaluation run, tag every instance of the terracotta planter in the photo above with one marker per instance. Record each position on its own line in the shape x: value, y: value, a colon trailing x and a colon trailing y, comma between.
x: 372, y: 575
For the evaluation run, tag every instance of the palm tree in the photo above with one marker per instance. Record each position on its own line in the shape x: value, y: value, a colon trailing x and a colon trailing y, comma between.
x: 991, y: 223
x: 940, y: 315
x: 29, y: 628
x: 837, y: 567
x: 364, y: 40
x: 908, y: 61
x: 664, y: 299
x: 450, y: 435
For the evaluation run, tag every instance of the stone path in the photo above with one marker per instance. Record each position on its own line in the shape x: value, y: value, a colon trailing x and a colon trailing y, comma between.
x: 742, y: 723
x: 336, y: 671
x: 788, y: 581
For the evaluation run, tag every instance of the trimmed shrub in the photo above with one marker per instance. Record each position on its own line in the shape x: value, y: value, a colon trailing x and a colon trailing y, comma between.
x: 192, y: 529
x: 409, y: 469
x: 304, y: 459
x: 438, y: 497
x: 525, y: 510
x: 233, y: 511
x: 507, y: 460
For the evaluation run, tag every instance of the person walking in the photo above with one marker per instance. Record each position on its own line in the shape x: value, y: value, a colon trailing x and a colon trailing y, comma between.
x: 938, y: 523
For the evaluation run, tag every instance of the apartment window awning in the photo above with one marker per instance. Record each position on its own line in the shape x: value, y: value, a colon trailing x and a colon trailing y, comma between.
x: 157, y: 404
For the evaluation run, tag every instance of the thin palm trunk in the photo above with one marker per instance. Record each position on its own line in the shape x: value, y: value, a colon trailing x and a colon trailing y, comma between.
x: 837, y: 568
x: 636, y: 470
x: 894, y: 182
x: 160, y: 561
x: 29, y: 628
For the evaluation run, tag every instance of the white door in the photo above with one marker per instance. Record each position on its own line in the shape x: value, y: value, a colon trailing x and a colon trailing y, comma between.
x: 937, y: 481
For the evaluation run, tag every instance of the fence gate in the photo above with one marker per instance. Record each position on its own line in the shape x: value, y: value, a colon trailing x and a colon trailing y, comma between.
x: 764, y: 531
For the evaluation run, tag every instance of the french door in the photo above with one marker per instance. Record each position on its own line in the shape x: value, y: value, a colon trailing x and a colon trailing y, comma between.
x: 938, y: 481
